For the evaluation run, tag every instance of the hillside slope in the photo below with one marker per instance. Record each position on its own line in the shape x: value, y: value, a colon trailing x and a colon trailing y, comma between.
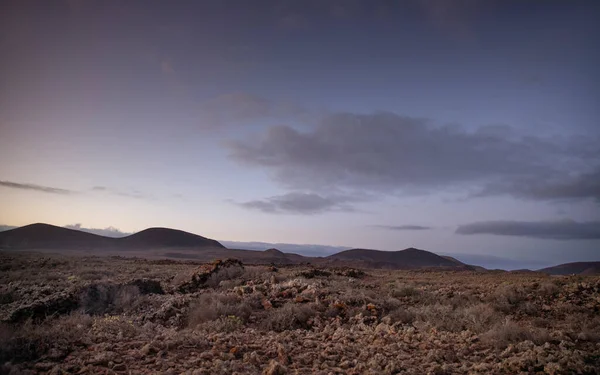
x: 577, y: 268
x: 46, y: 236
x: 165, y: 237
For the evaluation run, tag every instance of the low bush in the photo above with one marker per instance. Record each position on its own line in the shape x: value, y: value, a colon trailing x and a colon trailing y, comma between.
x: 212, y: 306
x: 288, y: 317
x: 505, y: 333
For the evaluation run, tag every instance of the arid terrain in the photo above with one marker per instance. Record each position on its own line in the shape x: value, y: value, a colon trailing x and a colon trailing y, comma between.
x: 113, y: 315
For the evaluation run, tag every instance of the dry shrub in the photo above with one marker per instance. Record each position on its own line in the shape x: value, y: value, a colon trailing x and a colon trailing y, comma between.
x: 109, y: 326
x: 212, y: 306
x: 400, y: 291
x: 583, y: 327
x: 529, y: 308
x: 229, y: 323
x: 507, y: 298
x: 508, y: 332
x: 548, y: 289
x: 442, y: 317
x: 288, y: 317
x: 29, y: 342
x: 230, y: 284
x: 478, y: 318
x: 402, y: 315
x: 356, y: 300
x: 255, y: 273
x: 224, y: 274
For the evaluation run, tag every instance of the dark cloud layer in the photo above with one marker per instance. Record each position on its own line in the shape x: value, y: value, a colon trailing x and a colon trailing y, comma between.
x: 557, y: 230
x: 300, y: 203
x: 40, y: 188
x: 558, y: 187
x: 389, y: 153
x: 402, y: 227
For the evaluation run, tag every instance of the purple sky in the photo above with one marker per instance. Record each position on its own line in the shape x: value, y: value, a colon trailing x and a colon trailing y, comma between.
x: 452, y: 126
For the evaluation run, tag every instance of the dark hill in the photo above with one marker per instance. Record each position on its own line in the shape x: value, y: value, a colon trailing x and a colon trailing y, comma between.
x: 45, y: 236
x: 408, y: 258
x: 165, y: 237
x: 274, y: 253
x: 577, y: 268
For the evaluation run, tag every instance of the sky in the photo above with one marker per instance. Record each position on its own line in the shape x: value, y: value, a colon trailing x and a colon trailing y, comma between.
x: 463, y: 127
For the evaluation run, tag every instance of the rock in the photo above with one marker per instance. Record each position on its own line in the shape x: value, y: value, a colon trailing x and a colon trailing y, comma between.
x: 102, y: 359
x: 147, y: 286
x: 266, y: 304
x: 282, y: 355
x: 148, y: 349
x: 199, y: 277
x: 275, y: 368
x: 120, y: 367
x: 59, y: 304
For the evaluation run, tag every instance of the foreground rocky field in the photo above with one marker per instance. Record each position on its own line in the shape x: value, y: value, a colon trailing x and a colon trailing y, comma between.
x: 94, y: 315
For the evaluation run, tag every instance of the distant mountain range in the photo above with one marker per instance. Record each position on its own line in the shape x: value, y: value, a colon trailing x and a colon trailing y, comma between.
x: 172, y: 243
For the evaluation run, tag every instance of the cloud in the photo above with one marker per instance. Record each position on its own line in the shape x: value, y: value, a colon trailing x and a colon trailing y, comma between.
x: 455, y: 17
x: 300, y: 203
x: 136, y: 194
x: 565, y: 187
x: 108, y: 231
x: 556, y: 230
x: 96, y: 189
x: 293, y: 22
x: 245, y: 108
x: 402, y: 227
x: 40, y: 188
x: 389, y: 153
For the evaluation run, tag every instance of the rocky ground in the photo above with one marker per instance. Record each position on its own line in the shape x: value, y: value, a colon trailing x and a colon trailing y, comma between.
x: 112, y: 315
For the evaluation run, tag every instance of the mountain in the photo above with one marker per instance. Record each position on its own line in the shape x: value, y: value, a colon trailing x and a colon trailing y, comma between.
x: 402, y: 259
x: 577, y: 268
x: 45, y: 236
x: 165, y: 237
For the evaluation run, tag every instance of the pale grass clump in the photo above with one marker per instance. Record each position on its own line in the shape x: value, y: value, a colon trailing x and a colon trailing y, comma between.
x: 289, y: 317
x: 510, y: 332
x: 212, y: 306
